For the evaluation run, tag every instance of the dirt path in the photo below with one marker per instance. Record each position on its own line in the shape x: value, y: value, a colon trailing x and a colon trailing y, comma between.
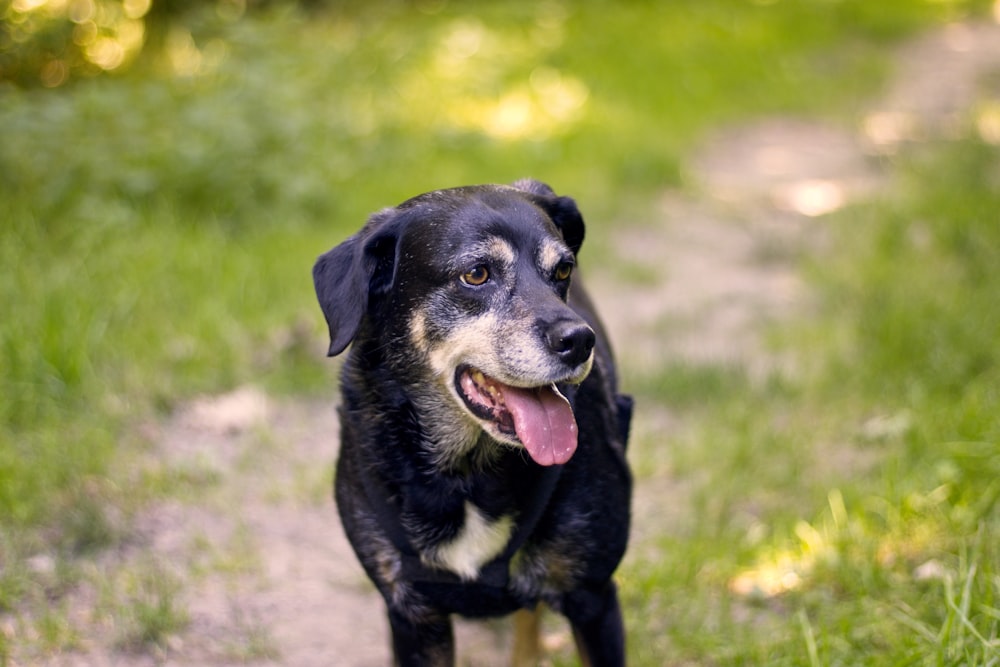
x: 268, y: 577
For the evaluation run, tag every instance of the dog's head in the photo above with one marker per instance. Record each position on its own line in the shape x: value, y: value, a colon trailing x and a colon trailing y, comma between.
x: 467, y: 290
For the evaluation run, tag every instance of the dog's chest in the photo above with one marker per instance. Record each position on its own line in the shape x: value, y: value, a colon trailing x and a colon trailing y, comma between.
x: 479, y: 540
x: 498, y: 510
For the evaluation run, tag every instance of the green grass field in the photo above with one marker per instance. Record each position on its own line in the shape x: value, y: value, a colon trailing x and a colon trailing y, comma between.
x: 896, y: 559
x: 157, y: 228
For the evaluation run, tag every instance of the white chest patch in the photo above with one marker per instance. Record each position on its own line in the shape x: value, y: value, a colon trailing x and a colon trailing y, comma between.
x: 478, y: 542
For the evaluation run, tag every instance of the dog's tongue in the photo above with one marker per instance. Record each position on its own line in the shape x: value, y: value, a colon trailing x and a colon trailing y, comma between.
x: 544, y: 423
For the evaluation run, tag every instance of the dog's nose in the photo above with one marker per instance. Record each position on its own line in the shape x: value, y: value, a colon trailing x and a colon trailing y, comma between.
x: 572, y: 341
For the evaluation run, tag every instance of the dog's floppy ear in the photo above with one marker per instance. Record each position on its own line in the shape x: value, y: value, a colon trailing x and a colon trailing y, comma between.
x: 562, y: 210
x: 346, y: 277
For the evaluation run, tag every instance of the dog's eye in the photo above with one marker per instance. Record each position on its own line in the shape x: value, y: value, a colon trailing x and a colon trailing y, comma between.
x: 476, y: 276
x: 563, y: 271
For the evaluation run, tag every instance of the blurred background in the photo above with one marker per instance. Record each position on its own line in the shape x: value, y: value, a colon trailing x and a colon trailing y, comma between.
x: 793, y: 216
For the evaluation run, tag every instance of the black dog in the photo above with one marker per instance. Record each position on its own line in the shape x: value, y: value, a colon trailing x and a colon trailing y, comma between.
x: 482, y: 463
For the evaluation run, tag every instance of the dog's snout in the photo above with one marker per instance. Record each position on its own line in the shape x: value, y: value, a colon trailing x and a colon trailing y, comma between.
x: 572, y: 341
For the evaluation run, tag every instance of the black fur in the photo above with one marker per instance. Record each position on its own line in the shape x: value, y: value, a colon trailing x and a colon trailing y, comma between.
x: 413, y: 459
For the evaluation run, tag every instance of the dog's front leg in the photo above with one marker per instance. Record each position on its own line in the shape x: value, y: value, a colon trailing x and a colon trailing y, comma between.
x: 596, y: 619
x: 427, y: 643
x: 527, y: 648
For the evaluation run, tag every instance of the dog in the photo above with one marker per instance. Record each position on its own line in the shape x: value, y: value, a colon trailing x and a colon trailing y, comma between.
x: 482, y: 466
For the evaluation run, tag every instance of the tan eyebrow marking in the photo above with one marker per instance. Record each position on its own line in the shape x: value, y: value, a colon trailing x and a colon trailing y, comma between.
x: 500, y: 249
x: 550, y: 254
x: 494, y: 248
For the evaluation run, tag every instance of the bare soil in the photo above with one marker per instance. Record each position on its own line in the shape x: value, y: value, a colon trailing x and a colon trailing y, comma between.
x: 252, y: 539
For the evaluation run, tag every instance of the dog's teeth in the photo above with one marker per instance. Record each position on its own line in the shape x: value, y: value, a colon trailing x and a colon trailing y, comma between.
x: 486, y: 387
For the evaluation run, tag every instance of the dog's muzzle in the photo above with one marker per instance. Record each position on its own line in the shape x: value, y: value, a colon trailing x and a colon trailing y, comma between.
x: 540, y: 418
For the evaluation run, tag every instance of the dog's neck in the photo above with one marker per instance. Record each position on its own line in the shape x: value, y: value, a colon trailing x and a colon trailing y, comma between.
x: 453, y: 440
x: 450, y: 439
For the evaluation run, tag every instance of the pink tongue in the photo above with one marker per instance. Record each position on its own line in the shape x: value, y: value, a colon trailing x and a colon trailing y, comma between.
x: 544, y: 423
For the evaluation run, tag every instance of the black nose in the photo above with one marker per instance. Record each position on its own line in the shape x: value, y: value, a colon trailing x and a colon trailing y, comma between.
x: 572, y: 341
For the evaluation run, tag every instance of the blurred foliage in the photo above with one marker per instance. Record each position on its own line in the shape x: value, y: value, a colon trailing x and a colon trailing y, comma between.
x: 49, y: 41
x: 282, y: 114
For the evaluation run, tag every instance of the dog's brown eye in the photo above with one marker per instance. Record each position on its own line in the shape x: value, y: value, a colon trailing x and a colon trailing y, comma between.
x: 563, y: 271
x: 476, y: 276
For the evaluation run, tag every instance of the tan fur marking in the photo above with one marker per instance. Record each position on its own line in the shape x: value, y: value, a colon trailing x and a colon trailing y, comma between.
x: 418, y: 330
x: 527, y: 650
x: 500, y: 250
x: 550, y: 254
x: 472, y: 341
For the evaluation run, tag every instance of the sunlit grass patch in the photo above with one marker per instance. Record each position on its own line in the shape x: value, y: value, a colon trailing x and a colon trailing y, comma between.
x: 868, y: 580
x: 915, y: 588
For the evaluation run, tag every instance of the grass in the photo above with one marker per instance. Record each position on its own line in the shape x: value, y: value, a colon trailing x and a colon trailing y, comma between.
x: 144, y: 606
x: 157, y: 230
x: 850, y: 515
